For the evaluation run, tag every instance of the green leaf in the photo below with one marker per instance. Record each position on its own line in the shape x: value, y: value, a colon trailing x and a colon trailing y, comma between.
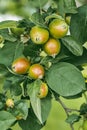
x: 41, y: 107
x: 3, y: 70
x: 2, y: 105
x: 65, y: 79
x: 33, y: 91
x: 83, y: 109
x: 31, y: 123
x: 2, y: 98
x: 22, y: 108
x: 54, y: 15
x: 73, y: 46
x: 6, y: 85
x: 2, y: 101
x: 12, y: 84
x: 78, y: 26
x: 25, y: 23
x: 8, y: 24
x: 7, y: 36
x: 73, y: 118
x: 15, y: 78
x: 9, y: 51
x: 37, y: 19
x: 19, y: 50
x: 16, y: 89
x: 45, y: 107
x: 31, y: 50
x: 66, y: 6
x: 6, y: 120
x: 77, y: 61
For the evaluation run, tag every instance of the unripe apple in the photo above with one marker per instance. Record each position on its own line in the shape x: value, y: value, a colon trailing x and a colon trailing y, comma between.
x: 39, y: 35
x: 52, y: 47
x: 58, y: 28
x: 36, y: 71
x: 43, y: 90
x: 10, y: 103
x: 21, y: 65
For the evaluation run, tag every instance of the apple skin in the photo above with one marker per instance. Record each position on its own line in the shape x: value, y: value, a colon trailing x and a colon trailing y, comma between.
x: 10, y: 103
x: 58, y: 28
x: 43, y: 90
x: 17, y: 31
x: 21, y: 65
x: 36, y: 71
x: 39, y: 35
x: 52, y: 47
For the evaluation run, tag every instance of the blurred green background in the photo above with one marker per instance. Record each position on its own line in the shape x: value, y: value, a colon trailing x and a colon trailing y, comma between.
x: 17, y: 9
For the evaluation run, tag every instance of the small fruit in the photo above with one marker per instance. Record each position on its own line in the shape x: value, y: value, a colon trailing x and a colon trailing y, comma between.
x: 84, y: 73
x: 85, y: 80
x: 43, y: 90
x: 19, y: 117
x: 17, y: 31
x: 58, y: 28
x: 36, y: 71
x: 84, y: 66
x: 84, y: 126
x: 52, y: 47
x: 68, y: 19
x: 39, y: 35
x: 10, y: 103
x: 21, y: 65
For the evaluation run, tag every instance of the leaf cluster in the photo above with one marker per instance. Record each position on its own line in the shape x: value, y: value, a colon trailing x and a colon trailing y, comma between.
x: 62, y: 72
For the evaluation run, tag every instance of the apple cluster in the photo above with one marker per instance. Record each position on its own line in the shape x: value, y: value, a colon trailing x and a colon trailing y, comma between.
x: 49, y: 38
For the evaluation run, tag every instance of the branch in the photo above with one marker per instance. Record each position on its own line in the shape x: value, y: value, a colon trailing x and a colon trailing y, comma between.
x: 67, y: 110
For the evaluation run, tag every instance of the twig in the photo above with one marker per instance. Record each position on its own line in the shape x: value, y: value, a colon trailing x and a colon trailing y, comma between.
x: 70, y: 110
x: 67, y: 110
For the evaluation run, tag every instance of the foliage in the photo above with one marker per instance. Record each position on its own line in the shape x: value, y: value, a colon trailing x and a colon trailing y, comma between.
x: 63, y: 72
